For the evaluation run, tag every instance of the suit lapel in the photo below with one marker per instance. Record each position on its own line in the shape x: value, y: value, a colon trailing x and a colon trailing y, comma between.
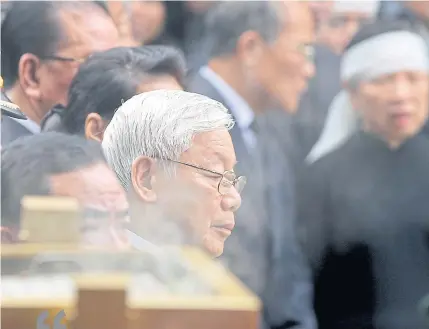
x: 202, y: 86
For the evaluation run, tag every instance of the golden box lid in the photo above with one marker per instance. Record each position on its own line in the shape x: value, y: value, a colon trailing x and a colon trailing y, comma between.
x: 143, y: 308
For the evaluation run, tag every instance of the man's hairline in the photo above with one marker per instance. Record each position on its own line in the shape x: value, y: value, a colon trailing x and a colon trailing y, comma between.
x: 128, y: 186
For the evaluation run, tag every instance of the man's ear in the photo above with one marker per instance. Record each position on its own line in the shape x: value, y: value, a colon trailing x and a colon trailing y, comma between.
x: 143, y: 178
x: 250, y: 48
x: 29, y: 75
x: 94, y: 127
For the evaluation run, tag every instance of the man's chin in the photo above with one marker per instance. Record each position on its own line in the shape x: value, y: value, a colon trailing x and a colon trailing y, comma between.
x: 286, y: 102
x: 214, y: 246
x: 216, y: 252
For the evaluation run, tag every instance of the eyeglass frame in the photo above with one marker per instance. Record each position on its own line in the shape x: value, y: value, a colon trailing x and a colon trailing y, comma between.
x: 222, y: 176
x: 64, y: 58
x: 308, y: 50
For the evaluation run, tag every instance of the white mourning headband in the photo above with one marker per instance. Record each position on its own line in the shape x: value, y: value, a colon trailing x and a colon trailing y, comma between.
x: 386, y: 53
x: 367, y: 7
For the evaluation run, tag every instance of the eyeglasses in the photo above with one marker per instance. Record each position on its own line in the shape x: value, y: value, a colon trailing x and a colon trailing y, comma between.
x: 307, y: 50
x: 339, y: 21
x: 64, y: 59
x: 227, y: 180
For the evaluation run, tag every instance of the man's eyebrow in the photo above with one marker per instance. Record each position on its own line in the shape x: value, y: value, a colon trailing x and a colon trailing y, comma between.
x: 224, y: 159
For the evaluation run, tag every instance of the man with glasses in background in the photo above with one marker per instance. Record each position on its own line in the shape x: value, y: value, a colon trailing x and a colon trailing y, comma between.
x: 43, y: 44
x: 172, y: 152
x: 334, y: 32
x: 260, y: 59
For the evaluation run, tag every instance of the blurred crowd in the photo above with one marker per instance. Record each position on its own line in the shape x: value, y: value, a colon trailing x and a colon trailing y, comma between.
x: 286, y: 138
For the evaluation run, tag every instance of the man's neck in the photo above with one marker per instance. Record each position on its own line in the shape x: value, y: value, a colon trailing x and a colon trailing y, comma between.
x: 27, y: 107
x: 155, y: 227
x: 390, y: 142
x: 230, y: 71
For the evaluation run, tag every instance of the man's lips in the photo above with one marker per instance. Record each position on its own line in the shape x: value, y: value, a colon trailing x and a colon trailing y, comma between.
x: 226, y: 226
x: 401, y: 118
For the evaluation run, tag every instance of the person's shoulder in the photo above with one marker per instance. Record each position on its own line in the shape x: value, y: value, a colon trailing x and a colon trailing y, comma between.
x: 196, y: 82
x: 11, y: 130
x: 200, y: 85
x: 339, y: 158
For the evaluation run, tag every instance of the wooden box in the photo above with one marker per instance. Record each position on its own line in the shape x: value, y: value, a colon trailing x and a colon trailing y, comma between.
x: 194, y: 292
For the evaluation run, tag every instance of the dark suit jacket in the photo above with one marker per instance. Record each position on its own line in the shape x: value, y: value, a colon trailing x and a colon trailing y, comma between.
x: 263, y: 251
x: 11, y: 130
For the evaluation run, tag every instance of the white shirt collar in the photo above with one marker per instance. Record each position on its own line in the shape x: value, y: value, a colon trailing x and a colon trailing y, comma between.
x: 139, y: 243
x: 241, y: 110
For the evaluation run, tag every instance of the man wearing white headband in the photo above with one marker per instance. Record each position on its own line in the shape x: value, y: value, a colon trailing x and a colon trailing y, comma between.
x: 364, y: 210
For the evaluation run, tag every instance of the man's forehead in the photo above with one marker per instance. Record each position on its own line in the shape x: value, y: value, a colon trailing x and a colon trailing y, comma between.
x: 97, y: 178
x: 398, y: 74
x: 86, y: 24
x: 213, y: 147
x: 299, y: 19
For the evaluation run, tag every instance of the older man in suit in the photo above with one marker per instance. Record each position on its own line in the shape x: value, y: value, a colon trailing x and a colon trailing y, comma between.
x: 259, y: 61
x: 43, y: 44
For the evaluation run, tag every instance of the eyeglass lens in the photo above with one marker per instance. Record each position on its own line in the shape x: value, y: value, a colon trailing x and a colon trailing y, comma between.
x: 225, y: 185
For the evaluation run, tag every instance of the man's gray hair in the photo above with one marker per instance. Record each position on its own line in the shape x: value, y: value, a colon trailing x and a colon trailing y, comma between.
x: 159, y: 124
x: 228, y: 20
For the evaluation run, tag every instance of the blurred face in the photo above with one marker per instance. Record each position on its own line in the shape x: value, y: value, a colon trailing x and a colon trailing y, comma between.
x: 147, y: 19
x: 420, y: 8
x: 103, y: 202
x: 285, y: 65
x: 321, y: 10
x: 86, y: 31
x: 199, y: 199
x: 212, y: 216
x: 338, y: 29
x: 394, y: 106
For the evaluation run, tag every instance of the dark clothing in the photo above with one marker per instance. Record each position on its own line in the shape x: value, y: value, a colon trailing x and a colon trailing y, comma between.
x: 414, y: 21
x: 52, y: 120
x: 12, y: 130
x: 187, y: 29
x: 263, y: 250
x: 364, y: 224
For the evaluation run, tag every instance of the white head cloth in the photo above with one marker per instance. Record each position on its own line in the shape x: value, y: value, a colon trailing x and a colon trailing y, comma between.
x: 385, y: 53
x: 367, y: 7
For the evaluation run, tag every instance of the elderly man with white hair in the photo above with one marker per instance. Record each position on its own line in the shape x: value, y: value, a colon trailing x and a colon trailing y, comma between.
x: 172, y: 152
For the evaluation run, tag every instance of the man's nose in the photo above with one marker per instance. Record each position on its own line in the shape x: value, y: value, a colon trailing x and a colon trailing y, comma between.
x: 231, y: 201
x: 309, y: 69
x: 401, y: 88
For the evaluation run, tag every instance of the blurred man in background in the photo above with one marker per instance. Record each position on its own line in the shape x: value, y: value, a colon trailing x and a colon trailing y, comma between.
x: 172, y: 153
x: 68, y: 166
x: 260, y: 59
x: 364, y: 209
x: 43, y: 43
x: 334, y: 32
